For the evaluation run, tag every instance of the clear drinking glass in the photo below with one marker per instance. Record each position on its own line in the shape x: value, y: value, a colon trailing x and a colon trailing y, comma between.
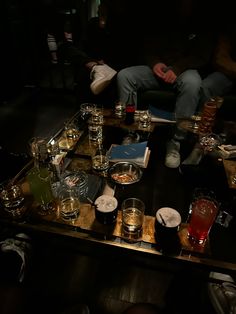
x: 69, y: 203
x: 71, y: 130
x: 100, y: 160
x: 97, y: 116
x: 119, y: 109
x: 12, y: 199
x: 86, y: 109
x: 95, y: 133
x: 132, y: 218
x: 144, y: 119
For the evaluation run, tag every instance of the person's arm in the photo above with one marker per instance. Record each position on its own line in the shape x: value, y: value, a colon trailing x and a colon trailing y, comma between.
x: 223, y: 60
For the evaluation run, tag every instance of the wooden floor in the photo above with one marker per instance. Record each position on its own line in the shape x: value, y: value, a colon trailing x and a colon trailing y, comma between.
x: 59, y: 278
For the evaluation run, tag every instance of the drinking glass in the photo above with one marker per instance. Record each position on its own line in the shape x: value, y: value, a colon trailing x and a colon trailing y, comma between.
x: 12, y: 199
x: 100, y: 160
x: 144, y: 119
x: 97, y: 116
x: 95, y: 132
x: 39, y: 177
x: 204, y: 209
x: 132, y: 218
x: 71, y: 130
x: 119, y: 109
x: 86, y: 109
x: 69, y: 203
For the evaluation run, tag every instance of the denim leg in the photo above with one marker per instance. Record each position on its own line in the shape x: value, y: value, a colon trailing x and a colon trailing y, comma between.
x: 134, y: 79
x: 215, y: 84
x: 188, y: 87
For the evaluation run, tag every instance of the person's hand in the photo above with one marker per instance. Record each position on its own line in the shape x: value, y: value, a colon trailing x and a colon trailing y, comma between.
x: 169, y: 76
x: 165, y: 73
x: 159, y: 69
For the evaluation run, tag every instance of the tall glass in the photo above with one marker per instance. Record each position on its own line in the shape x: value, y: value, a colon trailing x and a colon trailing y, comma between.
x: 204, y: 209
x: 39, y: 177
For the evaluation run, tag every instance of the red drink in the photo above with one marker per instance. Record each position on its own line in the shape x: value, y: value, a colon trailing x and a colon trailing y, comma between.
x: 204, y: 212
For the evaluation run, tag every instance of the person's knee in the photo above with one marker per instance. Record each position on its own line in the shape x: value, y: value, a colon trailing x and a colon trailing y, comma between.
x: 124, y: 75
x: 190, y: 81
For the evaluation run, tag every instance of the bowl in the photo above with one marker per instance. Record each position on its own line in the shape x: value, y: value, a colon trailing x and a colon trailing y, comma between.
x: 125, y: 173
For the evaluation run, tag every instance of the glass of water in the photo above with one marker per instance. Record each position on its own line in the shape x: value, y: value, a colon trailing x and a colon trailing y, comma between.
x: 132, y: 218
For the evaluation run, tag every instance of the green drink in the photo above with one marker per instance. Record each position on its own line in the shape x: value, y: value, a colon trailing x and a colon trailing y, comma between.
x: 40, y: 185
x: 39, y: 177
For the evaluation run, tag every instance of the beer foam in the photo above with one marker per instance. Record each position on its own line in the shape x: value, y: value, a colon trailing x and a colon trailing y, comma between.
x: 168, y: 217
x: 106, y: 203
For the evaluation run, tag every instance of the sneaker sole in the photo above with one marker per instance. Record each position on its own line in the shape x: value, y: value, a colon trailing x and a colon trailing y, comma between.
x: 98, y: 86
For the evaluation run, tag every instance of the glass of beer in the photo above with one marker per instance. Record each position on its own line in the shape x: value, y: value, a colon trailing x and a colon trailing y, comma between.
x: 132, y: 218
x: 204, y: 209
x: 106, y: 209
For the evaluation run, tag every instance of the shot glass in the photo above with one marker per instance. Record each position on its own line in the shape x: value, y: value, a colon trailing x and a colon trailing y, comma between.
x: 204, y: 209
x: 95, y: 132
x: 132, y: 218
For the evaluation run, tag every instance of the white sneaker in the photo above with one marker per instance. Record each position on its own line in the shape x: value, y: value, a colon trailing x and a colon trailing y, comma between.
x: 22, y: 246
x: 172, y: 159
x: 101, y: 76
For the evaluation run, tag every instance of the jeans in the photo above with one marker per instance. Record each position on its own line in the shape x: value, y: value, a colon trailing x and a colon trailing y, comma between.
x: 191, y: 90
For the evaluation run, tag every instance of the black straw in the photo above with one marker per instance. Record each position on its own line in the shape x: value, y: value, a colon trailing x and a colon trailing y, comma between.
x: 162, y: 219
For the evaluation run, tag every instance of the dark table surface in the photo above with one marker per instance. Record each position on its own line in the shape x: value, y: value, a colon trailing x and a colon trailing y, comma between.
x: 162, y: 187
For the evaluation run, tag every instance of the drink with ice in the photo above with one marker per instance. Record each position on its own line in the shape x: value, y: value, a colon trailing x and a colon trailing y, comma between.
x: 203, y: 215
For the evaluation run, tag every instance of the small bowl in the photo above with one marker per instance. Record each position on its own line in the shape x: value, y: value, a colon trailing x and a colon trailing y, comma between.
x: 125, y: 173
